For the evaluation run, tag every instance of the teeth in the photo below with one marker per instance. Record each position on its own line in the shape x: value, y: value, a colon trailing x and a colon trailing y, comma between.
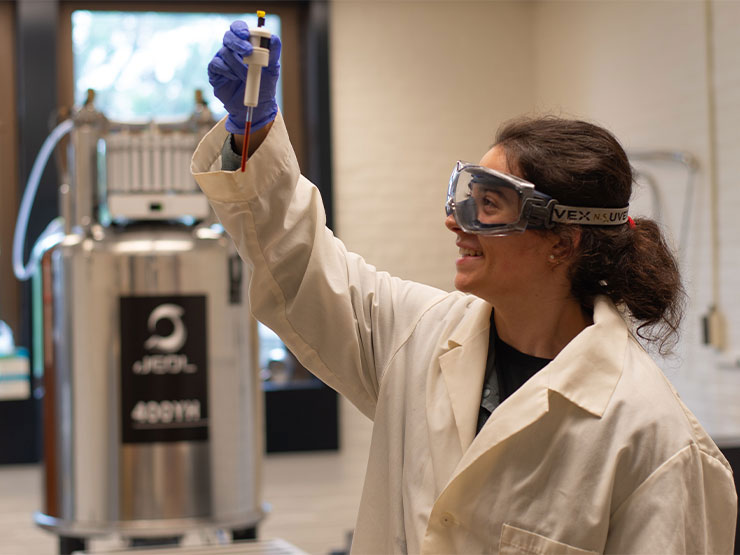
x: 470, y: 252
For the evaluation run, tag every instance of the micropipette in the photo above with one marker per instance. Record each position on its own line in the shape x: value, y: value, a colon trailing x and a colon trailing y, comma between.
x: 259, y: 58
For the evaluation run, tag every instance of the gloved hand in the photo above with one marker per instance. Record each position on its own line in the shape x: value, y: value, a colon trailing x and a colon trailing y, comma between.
x: 227, y: 74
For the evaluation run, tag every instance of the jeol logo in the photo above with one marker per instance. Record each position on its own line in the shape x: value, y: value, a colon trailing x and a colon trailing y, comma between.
x: 176, y: 339
x: 170, y: 361
x: 164, y: 368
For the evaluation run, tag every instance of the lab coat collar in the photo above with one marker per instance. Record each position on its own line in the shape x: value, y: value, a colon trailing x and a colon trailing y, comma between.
x: 585, y: 372
x: 476, y: 320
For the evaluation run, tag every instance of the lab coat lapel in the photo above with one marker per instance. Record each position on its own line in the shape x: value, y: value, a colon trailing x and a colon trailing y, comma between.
x: 524, y: 407
x: 463, y: 368
x: 527, y: 405
x: 585, y: 372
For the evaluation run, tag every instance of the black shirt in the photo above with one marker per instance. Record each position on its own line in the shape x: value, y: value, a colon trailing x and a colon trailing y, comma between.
x: 506, y: 371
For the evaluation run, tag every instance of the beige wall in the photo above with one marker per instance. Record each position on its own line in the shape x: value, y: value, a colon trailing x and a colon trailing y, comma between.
x: 417, y: 85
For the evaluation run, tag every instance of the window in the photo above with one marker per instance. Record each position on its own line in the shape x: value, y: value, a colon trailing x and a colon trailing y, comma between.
x: 147, y: 65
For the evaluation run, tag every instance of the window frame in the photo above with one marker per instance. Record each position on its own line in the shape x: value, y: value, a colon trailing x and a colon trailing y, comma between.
x: 290, y: 13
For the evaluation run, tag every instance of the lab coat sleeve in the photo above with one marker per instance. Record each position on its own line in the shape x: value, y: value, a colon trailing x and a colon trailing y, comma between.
x: 341, y: 318
x: 687, y: 505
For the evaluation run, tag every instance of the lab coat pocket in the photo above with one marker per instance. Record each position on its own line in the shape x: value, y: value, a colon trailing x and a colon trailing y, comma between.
x: 516, y: 541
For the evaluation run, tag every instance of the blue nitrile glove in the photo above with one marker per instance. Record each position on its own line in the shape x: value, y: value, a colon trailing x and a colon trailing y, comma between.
x: 227, y: 73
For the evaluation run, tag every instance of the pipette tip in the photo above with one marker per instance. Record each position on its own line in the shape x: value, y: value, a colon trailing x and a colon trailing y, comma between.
x: 247, y: 131
x: 245, y: 148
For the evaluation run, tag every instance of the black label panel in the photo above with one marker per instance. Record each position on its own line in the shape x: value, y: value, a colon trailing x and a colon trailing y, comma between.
x: 164, y: 374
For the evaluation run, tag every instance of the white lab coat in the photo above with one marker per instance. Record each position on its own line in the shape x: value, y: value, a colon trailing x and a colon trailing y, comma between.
x: 595, y: 453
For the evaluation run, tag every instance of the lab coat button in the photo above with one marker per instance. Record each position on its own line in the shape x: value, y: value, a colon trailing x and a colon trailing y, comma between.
x: 448, y: 520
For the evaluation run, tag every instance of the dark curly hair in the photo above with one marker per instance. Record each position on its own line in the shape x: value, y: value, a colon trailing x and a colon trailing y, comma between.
x: 581, y: 164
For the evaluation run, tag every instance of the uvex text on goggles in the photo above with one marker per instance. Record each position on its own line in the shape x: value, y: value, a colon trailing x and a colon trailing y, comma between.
x: 487, y: 202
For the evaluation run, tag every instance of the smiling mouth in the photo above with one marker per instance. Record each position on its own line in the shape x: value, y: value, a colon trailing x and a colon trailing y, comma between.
x: 470, y: 252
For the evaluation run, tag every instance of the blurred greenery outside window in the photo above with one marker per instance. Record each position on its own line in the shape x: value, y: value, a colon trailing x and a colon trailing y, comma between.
x: 147, y: 65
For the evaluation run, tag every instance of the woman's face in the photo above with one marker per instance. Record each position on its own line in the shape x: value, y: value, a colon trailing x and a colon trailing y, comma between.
x: 492, y: 267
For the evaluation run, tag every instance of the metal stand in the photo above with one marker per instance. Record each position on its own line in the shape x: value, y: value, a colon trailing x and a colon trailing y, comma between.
x: 154, y: 542
x: 68, y: 545
x: 244, y: 534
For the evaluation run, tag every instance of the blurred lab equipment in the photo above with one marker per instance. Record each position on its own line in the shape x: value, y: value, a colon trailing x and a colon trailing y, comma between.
x: 643, y: 172
x: 15, y: 379
x: 152, y: 408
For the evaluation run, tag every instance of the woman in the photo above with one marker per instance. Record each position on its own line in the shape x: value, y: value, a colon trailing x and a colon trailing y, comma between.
x: 518, y: 414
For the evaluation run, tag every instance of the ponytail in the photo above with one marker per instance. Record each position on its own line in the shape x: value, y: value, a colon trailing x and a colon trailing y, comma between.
x: 582, y: 164
x: 636, y: 268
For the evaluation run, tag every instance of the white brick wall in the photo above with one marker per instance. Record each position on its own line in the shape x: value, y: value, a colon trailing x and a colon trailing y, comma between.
x: 417, y: 85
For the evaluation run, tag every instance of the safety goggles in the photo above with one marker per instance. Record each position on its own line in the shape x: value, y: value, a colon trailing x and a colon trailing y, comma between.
x: 488, y: 202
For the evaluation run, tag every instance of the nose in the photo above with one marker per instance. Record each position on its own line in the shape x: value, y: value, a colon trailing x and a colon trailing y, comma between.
x: 451, y: 224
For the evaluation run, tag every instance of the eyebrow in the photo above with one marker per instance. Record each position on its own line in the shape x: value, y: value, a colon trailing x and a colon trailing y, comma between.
x: 496, y: 192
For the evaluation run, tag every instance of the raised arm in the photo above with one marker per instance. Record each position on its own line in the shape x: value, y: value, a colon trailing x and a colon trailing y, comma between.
x: 342, y: 319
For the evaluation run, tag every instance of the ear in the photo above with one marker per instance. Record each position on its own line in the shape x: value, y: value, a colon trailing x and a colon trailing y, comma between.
x: 566, y: 243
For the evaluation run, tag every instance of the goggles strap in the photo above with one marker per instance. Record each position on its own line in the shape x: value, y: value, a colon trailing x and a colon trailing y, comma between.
x: 583, y: 215
x: 537, y: 212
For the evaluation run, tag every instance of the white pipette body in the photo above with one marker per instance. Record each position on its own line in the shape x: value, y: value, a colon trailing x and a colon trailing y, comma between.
x: 258, y: 59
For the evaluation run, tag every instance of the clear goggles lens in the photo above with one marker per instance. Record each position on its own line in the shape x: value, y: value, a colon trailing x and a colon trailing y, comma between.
x: 485, y: 201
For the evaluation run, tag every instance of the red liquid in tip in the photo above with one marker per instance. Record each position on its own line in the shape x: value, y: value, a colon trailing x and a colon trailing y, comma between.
x: 245, y: 148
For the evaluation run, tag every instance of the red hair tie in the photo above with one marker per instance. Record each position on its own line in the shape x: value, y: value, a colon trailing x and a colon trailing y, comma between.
x: 631, y: 222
